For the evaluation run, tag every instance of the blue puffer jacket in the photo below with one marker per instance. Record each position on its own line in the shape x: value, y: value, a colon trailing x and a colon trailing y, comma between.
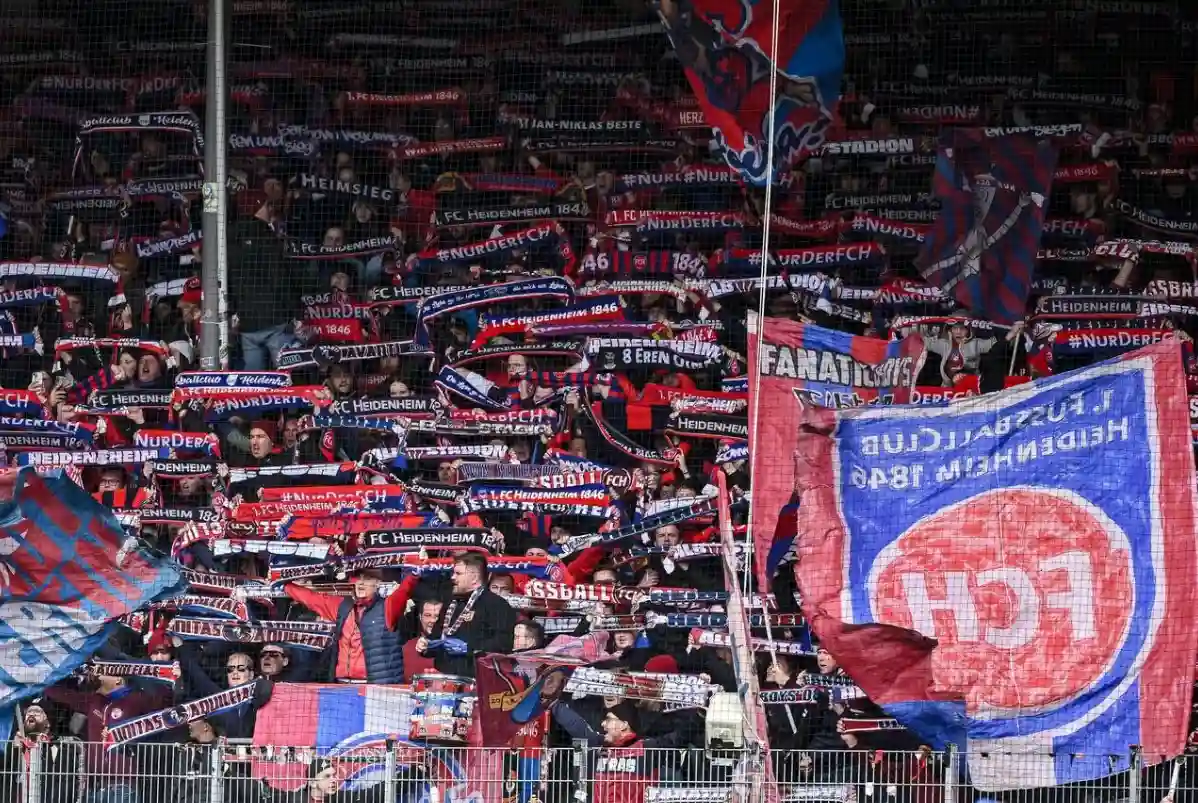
x: 383, y: 648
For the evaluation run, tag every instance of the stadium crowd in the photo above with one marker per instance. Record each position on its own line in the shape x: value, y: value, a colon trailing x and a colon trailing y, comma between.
x: 501, y: 296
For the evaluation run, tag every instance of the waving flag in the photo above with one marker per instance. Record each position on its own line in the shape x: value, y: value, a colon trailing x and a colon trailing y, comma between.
x: 993, y: 193
x: 1014, y: 573
x: 824, y: 367
x: 726, y: 50
x: 67, y: 571
x: 349, y: 725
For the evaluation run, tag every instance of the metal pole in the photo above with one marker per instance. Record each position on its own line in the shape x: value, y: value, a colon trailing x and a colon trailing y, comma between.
x: 214, y: 278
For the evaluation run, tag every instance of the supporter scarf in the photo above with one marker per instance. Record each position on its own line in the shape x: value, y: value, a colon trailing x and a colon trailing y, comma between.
x: 171, y: 515
x: 1106, y: 342
x: 157, y: 670
x: 538, y: 421
x: 563, y: 144
x: 881, y: 227
x: 557, y: 625
x: 587, y: 311
x: 620, y: 480
x: 329, y: 525
x: 268, y: 145
x: 474, y: 216
x: 550, y: 234
x: 715, y: 638
x: 217, y: 382
x: 394, y: 426
x: 708, y: 402
x: 429, y: 149
x: 636, y: 287
x: 623, y: 354
x: 255, y: 404
x: 720, y: 620
x: 204, y: 606
x: 432, y: 538
x: 563, y: 380
x: 104, y: 457
x: 15, y: 442
x: 386, y: 496
x: 120, y: 400
x: 651, y: 263
x: 355, y: 189
x: 804, y: 696
x: 301, y: 635
x: 801, y: 260
x: 508, y: 472
x: 435, y: 97
x: 367, y: 246
x: 409, y: 407
x: 555, y: 348
x: 473, y: 388
x: 621, y: 442
x: 699, y: 425
x: 618, y: 622
x: 213, y: 582
x: 856, y: 725
x: 1064, y: 307
x: 170, y: 246
x: 527, y: 603
x: 502, y: 182
x: 655, y: 222
x: 577, y: 543
x: 340, y: 473
x: 433, y: 492
x: 466, y: 451
x: 1183, y: 228
x: 31, y: 297
x: 538, y: 567
x: 593, y: 500
x: 20, y: 402
x: 518, y: 292
x: 695, y: 176
x: 83, y: 433
x: 64, y: 271
x: 204, y: 442
x: 614, y: 328
x: 167, y: 719
x: 114, y: 343
x: 734, y: 384
x: 181, y: 469
x: 730, y: 452
x: 391, y: 296
x: 224, y: 547
x: 334, y: 331
x: 580, y: 592
x: 293, y: 359
x: 688, y: 690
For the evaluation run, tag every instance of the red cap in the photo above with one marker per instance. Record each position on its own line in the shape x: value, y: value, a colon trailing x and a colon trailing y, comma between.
x: 159, y: 640
x: 664, y: 664
x: 192, y: 293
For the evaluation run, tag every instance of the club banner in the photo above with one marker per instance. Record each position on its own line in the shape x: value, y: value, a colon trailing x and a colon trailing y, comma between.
x: 987, y: 538
x: 836, y: 369
x: 413, y: 540
x: 301, y: 635
x: 514, y: 693
x: 994, y: 194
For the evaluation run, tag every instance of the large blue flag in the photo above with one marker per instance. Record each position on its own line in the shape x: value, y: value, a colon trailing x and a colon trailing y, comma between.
x: 67, y: 571
x: 993, y: 192
x: 1014, y: 573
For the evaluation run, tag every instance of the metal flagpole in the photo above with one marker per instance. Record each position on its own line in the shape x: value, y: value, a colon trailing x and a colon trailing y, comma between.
x: 214, y: 276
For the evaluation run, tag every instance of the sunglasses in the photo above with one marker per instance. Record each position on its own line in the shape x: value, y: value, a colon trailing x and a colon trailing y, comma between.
x: 272, y: 654
x: 238, y: 668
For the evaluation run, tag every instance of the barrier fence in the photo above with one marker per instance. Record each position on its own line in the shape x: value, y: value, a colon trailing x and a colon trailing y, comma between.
x: 64, y: 770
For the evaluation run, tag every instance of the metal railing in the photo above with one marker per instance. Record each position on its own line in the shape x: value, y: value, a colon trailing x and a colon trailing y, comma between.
x: 70, y: 771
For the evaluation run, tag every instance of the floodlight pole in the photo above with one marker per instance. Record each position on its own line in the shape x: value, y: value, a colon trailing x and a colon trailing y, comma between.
x: 214, y: 327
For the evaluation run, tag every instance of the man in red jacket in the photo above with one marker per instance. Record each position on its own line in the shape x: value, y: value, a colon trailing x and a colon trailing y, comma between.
x: 364, y: 647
